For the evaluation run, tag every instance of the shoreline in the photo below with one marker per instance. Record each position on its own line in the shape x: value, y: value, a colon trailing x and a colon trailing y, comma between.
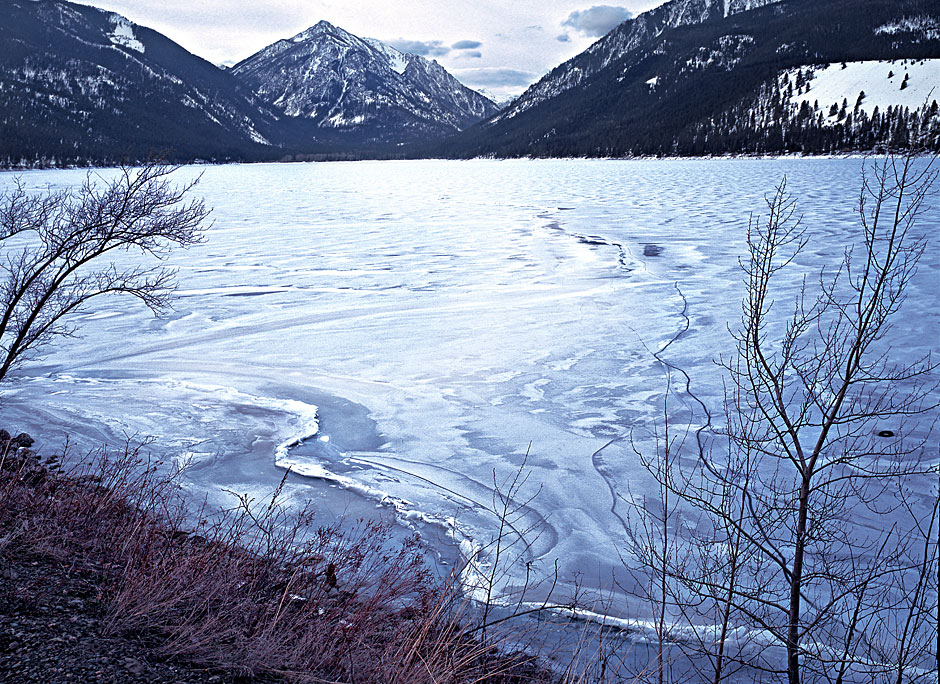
x: 253, y: 468
x: 854, y: 154
x: 145, y: 596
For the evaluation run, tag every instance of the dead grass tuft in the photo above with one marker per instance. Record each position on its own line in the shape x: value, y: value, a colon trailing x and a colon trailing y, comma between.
x: 257, y: 589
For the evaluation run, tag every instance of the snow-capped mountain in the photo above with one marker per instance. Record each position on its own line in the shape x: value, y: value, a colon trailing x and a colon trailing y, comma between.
x: 621, y: 40
x: 709, y: 77
x: 345, y: 83
x: 80, y: 84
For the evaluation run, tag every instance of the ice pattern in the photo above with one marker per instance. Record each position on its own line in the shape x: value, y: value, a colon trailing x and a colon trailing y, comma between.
x: 413, y: 331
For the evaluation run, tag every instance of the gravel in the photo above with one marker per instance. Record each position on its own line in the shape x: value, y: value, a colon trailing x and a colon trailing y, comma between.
x: 52, y: 631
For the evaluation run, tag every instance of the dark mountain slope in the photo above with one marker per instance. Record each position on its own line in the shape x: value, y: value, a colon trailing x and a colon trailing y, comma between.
x: 718, y: 87
x: 79, y: 84
x: 623, y: 39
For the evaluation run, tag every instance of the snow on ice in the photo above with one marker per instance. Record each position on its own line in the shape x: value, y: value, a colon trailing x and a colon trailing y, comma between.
x: 442, y: 323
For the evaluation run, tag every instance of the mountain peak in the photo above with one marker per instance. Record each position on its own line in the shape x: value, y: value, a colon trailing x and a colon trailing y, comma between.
x: 340, y: 81
x: 320, y: 29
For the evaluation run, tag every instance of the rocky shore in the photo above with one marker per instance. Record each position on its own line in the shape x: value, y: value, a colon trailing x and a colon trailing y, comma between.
x: 52, y: 632
x: 52, y: 610
x: 103, y: 578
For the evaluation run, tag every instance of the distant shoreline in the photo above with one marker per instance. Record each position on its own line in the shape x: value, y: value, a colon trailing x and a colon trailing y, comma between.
x: 665, y: 158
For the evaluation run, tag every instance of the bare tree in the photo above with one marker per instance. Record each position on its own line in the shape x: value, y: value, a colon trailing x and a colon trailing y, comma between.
x: 810, y: 401
x: 805, y: 531
x: 57, y: 251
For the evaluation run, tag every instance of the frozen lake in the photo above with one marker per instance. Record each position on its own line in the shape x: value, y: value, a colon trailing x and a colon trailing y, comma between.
x: 423, y: 325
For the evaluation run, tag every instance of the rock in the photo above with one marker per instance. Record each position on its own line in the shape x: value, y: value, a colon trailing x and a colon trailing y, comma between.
x: 23, y: 440
x: 330, y: 576
x: 134, y: 666
x: 4, y: 436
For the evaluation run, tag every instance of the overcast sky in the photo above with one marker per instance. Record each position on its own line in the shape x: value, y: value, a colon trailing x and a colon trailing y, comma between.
x: 498, y: 46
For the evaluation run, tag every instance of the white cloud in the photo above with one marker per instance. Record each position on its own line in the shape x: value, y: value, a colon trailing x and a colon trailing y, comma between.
x: 425, y: 48
x: 598, y: 20
x: 496, y: 77
x: 500, y: 84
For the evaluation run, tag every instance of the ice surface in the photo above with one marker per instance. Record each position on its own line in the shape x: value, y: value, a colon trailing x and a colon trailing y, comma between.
x: 445, y: 319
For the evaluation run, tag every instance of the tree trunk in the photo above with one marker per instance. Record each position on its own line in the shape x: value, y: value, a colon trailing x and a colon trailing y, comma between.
x: 796, y: 586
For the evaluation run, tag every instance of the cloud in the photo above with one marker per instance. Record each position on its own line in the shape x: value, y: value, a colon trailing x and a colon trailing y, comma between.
x: 425, y: 48
x: 598, y: 20
x: 473, y: 54
x: 563, y: 38
x: 466, y: 45
x: 495, y: 77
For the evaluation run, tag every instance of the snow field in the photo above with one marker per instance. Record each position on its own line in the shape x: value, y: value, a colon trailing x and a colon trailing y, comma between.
x: 880, y: 81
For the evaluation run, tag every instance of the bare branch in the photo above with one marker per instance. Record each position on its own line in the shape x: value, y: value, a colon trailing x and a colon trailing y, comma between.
x: 57, y: 249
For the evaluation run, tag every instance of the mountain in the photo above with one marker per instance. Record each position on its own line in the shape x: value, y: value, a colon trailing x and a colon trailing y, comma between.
x: 83, y: 85
x: 80, y: 85
x: 734, y: 76
x: 626, y: 37
x: 360, y: 90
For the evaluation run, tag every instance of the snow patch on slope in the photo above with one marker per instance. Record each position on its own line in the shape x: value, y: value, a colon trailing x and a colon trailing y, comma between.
x: 928, y: 27
x: 880, y: 81
x: 123, y: 34
x: 397, y: 60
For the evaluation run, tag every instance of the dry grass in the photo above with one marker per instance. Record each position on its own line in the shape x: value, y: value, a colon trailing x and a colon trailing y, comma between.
x: 256, y: 589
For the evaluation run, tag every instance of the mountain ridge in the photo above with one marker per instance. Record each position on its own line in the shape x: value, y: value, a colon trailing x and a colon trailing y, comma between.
x: 82, y: 83
x: 340, y: 81
x: 622, y: 39
x: 690, y: 77
x: 717, y: 87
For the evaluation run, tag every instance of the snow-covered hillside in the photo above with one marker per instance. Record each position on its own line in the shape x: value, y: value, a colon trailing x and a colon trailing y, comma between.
x: 338, y: 80
x: 904, y: 83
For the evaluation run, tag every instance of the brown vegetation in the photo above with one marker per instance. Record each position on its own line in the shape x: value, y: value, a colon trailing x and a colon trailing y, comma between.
x: 255, y: 590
